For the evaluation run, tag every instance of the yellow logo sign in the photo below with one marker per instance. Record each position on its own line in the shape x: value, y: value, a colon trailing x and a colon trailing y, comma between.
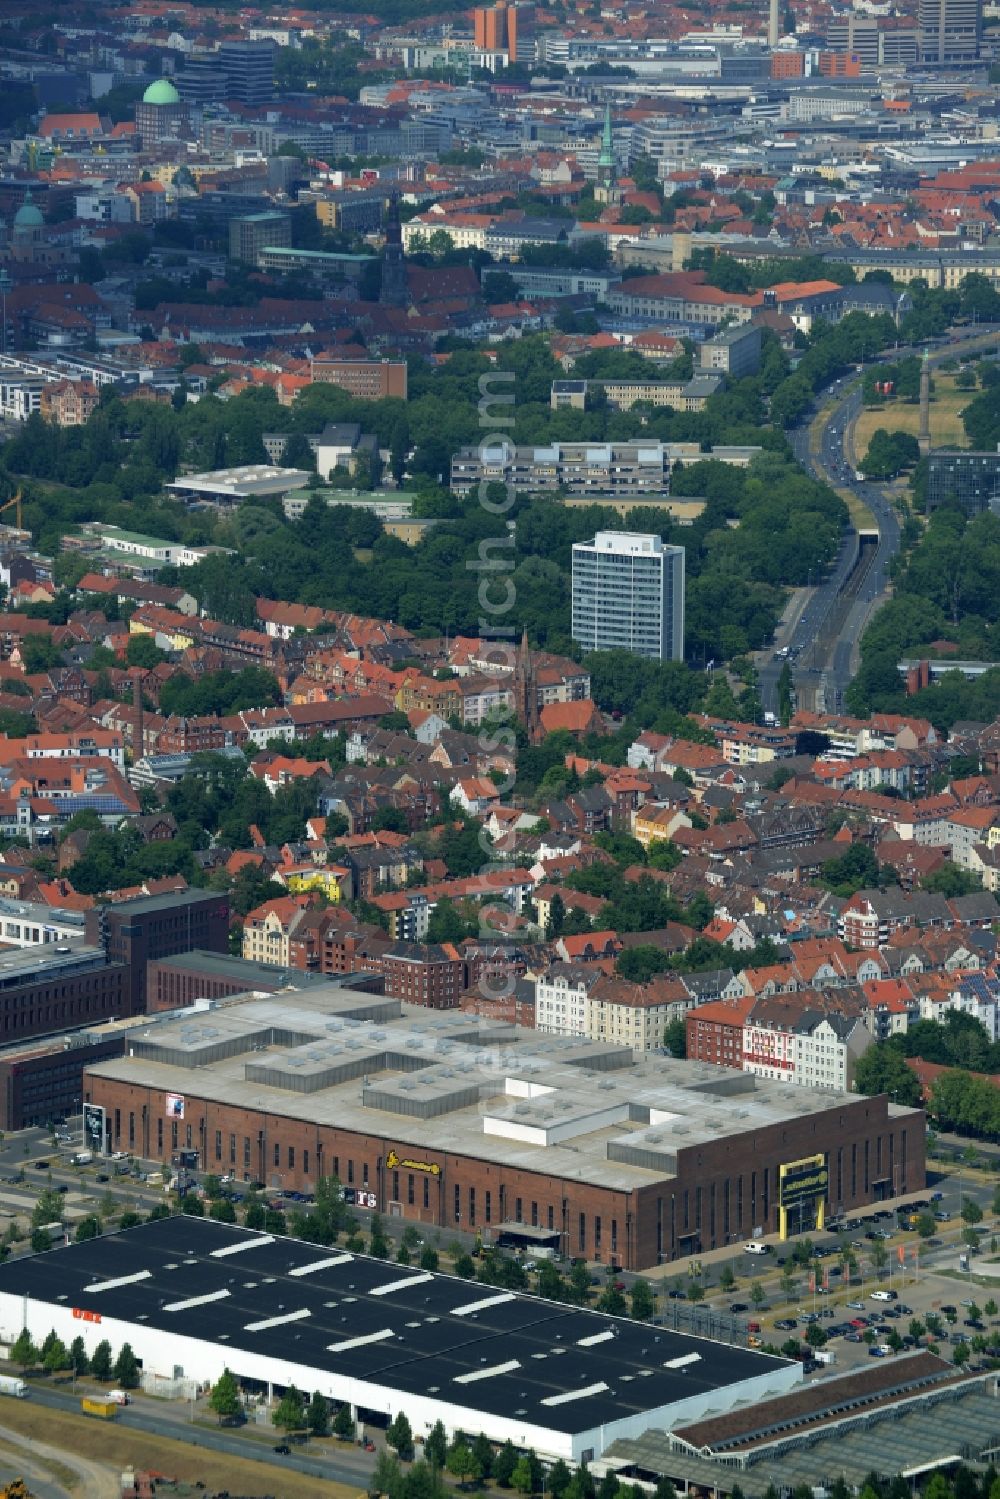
x: 392, y: 1160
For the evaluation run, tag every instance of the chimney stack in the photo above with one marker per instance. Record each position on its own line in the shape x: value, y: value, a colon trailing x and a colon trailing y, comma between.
x: 138, y: 724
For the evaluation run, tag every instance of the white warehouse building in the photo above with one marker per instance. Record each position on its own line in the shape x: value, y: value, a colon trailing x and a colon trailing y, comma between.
x: 193, y: 1297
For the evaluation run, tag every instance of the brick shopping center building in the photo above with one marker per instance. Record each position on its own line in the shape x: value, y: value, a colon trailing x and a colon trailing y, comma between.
x: 452, y: 1121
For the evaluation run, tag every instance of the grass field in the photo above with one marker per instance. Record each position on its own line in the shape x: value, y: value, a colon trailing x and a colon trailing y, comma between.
x: 862, y: 518
x: 900, y: 416
x: 120, y: 1447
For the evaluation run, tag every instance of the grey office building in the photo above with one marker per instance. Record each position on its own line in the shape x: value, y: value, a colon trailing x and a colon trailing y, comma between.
x: 628, y: 594
x: 971, y: 480
x: 949, y: 31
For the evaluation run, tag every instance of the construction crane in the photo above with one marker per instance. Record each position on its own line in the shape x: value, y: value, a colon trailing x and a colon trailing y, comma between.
x: 14, y: 504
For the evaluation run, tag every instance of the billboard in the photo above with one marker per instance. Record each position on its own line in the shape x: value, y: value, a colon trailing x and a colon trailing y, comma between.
x: 175, y: 1106
x: 94, y: 1125
x: 802, y: 1181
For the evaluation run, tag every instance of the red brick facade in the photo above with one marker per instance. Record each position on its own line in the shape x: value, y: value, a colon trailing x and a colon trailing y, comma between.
x: 721, y: 1192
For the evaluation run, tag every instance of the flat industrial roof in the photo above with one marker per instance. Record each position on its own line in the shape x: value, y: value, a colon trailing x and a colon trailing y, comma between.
x: 245, y: 481
x: 448, y: 1082
x: 504, y: 1353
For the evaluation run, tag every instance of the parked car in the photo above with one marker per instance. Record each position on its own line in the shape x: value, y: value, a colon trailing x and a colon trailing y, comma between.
x: 786, y: 1324
x: 282, y: 1449
x: 738, y: 1306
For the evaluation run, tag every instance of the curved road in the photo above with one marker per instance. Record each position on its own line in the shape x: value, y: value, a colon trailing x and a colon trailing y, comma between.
x: 96, y: 1480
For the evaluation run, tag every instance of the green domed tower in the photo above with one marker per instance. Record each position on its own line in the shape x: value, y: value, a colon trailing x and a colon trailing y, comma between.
x: 160, y: 114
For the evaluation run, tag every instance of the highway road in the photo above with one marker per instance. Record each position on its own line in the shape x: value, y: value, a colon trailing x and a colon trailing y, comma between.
x: 822, y: 638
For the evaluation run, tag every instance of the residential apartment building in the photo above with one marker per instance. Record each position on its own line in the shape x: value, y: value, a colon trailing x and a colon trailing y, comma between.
x: 634, y: 1015
x: 421, y: 974
x: 562, y: 998
x: 267, y: 931
x: 628, y: 594
x: 626, y: 470
x: 715, y: 1031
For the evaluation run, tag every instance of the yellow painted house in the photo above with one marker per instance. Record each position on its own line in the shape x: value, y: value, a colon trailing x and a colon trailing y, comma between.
x: 652, y: 822
x: 178, y: 639
x: 333, y: 880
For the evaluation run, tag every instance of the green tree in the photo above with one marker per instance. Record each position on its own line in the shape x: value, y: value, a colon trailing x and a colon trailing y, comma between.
x: 290, y: 1415
x: 23, y: 1351
x: 695, y: 1291
x: 100, y: 1361
x: 675, y: 1038
x: 579, y: 1282
x: 971, y: 1211
x: 727, y: 1279
x: 378, y: 1246
x: 48, y: 1209
x: 224, y: 1398
x: 428, y: 1258
x: 399, y: 1434
x: 343, y: 1423
x: 436, y: 1445
x: 78, y: 1360
x: 483, y: 1449
x: 465, y: 1266
x: 127, y: 1368
x: 142, y: 650
x: 926, y: 1225
x: 612, y: 1301
x: 643, y: 1301
x: 55, y: 1357
x: 757, y: 1294
x: 387, y: 1477
x: 504, y: 1464
x: 461, y: 1461
x: 523, y: 1478
x: 882, y: 1069
x: 318, y: 1416
x: 814, y: 1335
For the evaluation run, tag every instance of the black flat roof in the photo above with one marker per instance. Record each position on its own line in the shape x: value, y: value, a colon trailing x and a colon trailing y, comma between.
x: 461, y: 1342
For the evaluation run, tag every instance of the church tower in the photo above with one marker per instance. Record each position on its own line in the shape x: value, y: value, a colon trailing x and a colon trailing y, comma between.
x: 394, y: 292
x: 525, y: 694
x: 607, y: 190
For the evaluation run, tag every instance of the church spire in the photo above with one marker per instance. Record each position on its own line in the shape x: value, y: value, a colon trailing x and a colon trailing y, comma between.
x: 606, y: 190
x: 607, y: 156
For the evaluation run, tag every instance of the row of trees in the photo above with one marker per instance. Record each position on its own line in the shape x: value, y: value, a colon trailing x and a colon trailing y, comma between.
x: 55, y: 1358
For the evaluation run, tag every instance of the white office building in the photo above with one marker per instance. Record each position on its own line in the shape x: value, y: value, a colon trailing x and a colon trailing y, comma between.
x: 628, y: 594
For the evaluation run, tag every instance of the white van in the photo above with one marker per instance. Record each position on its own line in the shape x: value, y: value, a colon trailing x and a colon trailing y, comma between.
x: 756, y: 1248
x: 884, y: 1296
